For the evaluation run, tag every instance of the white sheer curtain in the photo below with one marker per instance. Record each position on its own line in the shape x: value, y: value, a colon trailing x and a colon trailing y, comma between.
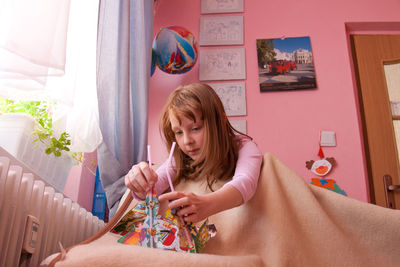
x: 48, y: 52
x: 33, y: 38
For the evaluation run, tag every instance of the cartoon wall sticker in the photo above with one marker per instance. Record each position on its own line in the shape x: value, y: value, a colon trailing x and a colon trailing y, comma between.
x: 321, y: 168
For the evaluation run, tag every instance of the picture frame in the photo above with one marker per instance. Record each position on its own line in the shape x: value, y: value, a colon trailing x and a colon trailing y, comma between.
x: 218, y: 6
x: 221, y: 30
x: 222, y: 64
x: 233, y: 97
x: 285, y: 64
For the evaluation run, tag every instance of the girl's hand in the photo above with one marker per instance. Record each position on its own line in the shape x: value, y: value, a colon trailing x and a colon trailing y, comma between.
x: 140, y: 179
x: 192, y: 207
x: 195, y: 208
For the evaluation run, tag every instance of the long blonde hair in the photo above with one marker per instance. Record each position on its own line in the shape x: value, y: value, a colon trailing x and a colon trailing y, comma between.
x: 217, y: 160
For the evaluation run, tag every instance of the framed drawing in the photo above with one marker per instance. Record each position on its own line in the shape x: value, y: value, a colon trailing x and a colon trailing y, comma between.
x: 285, y: 64
x: 221, y: 30
x: 239, y: 125
x: 233, y: 96
x: 221, y: 6
x: 222, y: 64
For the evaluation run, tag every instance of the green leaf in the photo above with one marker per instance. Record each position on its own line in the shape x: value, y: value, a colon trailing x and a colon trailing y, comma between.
x: 40, y: 112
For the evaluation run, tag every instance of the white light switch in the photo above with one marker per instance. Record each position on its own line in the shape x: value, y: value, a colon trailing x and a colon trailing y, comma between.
x: 328, y: 138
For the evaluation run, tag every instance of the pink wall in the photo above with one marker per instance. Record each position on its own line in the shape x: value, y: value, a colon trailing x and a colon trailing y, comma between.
x: 287, y: 124
x: 81, y: 181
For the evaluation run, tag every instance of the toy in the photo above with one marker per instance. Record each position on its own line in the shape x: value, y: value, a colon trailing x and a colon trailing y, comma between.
x: 321, y: 168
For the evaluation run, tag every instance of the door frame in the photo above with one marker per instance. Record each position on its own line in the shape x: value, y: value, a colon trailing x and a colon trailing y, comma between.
x: 367, y: 28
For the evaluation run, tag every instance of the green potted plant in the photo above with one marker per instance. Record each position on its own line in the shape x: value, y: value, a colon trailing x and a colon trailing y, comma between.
x: 32, y: 121
x: 40, y: 112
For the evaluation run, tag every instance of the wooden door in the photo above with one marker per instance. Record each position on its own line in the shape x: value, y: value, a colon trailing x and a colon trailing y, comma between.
x: 371, y: 53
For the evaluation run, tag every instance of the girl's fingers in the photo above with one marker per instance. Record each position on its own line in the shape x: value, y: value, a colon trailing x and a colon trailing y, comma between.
x: 128, y: 180
x: 141, y: 181
x: 140, y: 184
x: 148, y: 173
x: 190, y: 218
x: 138, y: 192
x: 186, y: 211
x: 135, y: 181
x: 181, y: 202
x: 185, y: 203
x: 154, y: 178
x: 170, y: 196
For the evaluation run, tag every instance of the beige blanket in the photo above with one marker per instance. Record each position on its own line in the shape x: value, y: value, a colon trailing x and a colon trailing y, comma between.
x: 287, y: 223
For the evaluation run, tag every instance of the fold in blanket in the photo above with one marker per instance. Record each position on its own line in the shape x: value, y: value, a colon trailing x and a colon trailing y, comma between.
x: 287, y: 223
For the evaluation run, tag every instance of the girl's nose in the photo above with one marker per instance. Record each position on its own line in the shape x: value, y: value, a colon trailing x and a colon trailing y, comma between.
x: 187, y: 139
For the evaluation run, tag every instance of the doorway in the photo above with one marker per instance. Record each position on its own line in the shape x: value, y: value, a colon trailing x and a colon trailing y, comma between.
x: 376, y: 58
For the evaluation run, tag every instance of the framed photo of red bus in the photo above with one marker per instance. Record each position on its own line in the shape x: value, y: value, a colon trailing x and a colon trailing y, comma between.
x: 285, y: 64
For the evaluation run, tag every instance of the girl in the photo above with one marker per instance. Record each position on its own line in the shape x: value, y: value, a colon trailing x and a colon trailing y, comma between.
x: 194, y: 118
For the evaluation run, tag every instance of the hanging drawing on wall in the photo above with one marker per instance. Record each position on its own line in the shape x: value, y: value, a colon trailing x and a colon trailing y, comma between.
x: 239, y: 125
x: 218, y: 6
x: 221, y: 30
x: 233, y: 96
x: 222, y: 64
x: 285, y: 64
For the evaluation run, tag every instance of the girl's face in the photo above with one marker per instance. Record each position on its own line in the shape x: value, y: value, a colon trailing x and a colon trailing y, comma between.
x: 189, y: 135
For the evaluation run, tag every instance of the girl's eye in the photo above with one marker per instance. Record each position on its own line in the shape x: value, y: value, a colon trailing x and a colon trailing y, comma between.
x: 195, y: 128
x: 178, y: 132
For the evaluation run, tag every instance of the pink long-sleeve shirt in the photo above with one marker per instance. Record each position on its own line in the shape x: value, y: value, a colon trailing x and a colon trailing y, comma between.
x: 246, y: 174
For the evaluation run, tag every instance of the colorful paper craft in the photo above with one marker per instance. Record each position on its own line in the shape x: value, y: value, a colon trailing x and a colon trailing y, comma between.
x: 167, y: 231
x: 329, y: 184
x: 144, y: 226
x: 321, y: 168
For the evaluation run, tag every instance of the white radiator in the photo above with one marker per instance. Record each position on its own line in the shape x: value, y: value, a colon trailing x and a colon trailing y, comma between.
x: 34, y: 217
